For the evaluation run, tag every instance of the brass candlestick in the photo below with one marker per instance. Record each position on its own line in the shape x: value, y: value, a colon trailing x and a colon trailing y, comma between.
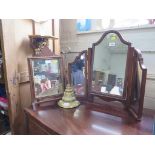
x: 68, y: 100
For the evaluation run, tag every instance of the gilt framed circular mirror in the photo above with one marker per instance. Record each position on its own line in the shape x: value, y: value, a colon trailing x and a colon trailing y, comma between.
x: 46, y: 77
x: 109, y: 66
x: 77, y: 74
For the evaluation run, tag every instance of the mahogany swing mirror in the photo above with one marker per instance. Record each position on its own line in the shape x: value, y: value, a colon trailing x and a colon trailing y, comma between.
x: 113, y: 72
x: 46, y: 78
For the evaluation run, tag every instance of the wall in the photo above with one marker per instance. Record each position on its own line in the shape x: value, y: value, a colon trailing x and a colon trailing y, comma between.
x: 45, y: 28
x: 16, y: 51
x: 143, y: 39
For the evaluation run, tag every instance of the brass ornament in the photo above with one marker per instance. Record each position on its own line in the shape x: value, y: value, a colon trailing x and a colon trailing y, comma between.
x: 69, y: 99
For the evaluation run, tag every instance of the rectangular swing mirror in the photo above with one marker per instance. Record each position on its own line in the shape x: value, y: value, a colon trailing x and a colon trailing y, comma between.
x: 45, y: 77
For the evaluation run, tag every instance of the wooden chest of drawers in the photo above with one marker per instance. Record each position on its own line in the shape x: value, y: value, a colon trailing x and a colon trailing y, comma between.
x: 83, y: 120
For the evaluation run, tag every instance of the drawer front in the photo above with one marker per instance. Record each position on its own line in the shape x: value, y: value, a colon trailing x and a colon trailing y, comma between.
x: 35, y: 129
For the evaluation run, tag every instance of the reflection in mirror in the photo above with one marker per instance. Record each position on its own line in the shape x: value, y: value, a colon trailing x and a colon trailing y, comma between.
x: 109, y: 65
x: 46, y: 77
x: 78, y: 75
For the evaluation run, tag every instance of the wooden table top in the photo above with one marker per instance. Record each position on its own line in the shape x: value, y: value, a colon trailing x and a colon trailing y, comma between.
x: 85, y: 119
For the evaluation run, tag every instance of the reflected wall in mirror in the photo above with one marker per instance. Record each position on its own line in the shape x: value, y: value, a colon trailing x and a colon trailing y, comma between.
x: 77, y: 74
x: 46, y: 77
x: 109, y: 65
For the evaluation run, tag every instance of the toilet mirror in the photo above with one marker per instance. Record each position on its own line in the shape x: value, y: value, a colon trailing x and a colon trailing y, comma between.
x: 46, y: 77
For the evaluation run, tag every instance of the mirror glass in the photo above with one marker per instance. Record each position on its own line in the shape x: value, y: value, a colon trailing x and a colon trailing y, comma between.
x: 78, y: 75
x: 47, y: 78
x: 137, y: 88
x: 109, y: 65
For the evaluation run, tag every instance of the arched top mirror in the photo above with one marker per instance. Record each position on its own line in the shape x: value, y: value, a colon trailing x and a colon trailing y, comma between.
x: 109, y: 59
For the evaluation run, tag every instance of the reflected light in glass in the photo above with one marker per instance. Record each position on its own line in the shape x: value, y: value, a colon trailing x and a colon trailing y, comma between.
x: 76, y: 113
x: 105, y: 130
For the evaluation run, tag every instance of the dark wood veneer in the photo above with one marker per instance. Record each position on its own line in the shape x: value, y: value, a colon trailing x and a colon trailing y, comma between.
x: 86, y: 119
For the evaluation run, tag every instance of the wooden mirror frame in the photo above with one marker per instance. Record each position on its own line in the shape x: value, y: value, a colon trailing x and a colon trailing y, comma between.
x: 108, y: 97
x: 130, y: 73
x: 39, y: 100
x: 141, y: 89
x: 69, y: 73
